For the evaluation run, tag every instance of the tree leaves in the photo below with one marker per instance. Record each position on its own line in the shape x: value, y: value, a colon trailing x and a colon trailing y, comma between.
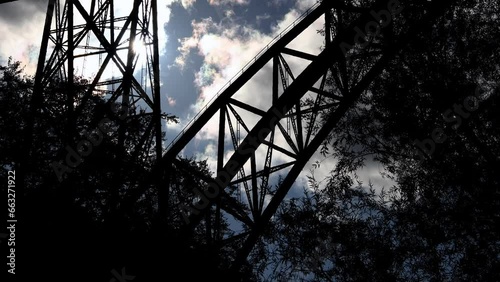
x: 439, y: 221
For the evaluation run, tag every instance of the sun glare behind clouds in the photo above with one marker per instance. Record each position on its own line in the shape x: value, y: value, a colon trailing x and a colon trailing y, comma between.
x: 21, y: 37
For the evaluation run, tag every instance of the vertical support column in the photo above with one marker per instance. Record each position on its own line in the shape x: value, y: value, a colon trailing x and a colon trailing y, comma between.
x: 71, y: 71
x: 328, y: 30
x: 112, y: 22
x: 276, y: 63
x: 300, y: 138
x: 157, y: 108
x: 37, y: 95
x: 129, y: 71
x: 255, y: 196
x: 156, y: 82
x: 220, y: 165
x: 24, y: 163
x: 125, y: 104
x: 127, y: 85
x: 36, y: 100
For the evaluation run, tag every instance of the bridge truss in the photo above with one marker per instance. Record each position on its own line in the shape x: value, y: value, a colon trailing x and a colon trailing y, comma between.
x: 121, y: 40
x: 270, y: 143
x: 261, y: 148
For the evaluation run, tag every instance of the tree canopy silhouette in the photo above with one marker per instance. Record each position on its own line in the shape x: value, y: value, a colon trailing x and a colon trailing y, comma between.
x: 87, y: 207
x: 430, y: 120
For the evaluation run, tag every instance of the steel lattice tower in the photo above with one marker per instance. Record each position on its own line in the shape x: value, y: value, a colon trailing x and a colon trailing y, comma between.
x: 115, y: 46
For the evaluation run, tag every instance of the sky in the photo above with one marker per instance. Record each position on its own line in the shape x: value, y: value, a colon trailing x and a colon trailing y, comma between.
x: 203, y: 44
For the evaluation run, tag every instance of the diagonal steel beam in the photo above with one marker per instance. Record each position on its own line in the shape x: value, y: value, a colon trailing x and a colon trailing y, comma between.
x: 187, y: 134
x: 330, y: 123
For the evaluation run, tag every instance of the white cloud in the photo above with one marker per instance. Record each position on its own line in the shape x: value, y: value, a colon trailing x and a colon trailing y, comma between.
x: 189, y: 43
x: 303, y: 5
x: 224, y: 2
x: 260, y: 18
x: 21, y: 37
x: 187, y: 3
x: 171, y: 101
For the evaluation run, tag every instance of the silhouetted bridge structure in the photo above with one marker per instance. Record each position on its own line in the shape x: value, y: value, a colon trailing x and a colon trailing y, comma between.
x: 258, y: 142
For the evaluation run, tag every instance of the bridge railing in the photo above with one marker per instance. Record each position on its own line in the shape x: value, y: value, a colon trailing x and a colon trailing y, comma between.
x: 240, y: 72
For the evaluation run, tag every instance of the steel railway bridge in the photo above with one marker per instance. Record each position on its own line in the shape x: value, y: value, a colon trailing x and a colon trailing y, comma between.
x: 257, y: 143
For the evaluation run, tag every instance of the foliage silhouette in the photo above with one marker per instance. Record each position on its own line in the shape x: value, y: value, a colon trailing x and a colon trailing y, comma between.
x: 99, y: 217
x: 439, y: 221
